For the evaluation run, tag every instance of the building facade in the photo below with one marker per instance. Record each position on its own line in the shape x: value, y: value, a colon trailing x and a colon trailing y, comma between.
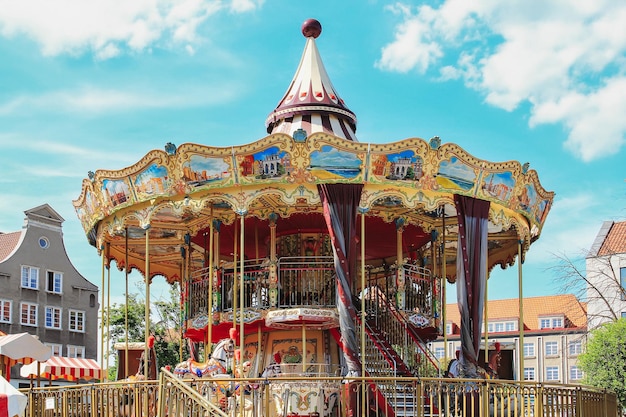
x: 555, y: 332
x: 606, y: 275
x: 41, y: 292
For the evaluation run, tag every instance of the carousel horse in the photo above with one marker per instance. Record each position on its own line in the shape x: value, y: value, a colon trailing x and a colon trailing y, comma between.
x: 219, y: 363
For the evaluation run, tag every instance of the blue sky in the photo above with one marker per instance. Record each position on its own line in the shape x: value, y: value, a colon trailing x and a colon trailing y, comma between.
x: 96, y: 85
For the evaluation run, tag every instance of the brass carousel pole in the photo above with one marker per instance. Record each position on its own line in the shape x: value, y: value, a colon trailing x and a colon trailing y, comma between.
x: 102, y: 315
x: 241, y: 294
x: 241, y: 307
x: 181, y: 304
x: 126, y: 309
x: 303, y: 348
x: 444, y: 281
x: 274, y: 299
x: 146, y: 351
x: 235, y: 300
x: 108, y: 324
x: 399, y: 262
x: 207, y: 340
x: 521, y: 311
x: 146, y: 358
x: 210, y: 284
x: 486, y: 318
x: 363, y: 313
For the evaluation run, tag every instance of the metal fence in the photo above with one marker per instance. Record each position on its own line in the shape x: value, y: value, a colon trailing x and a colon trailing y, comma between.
x: 320, y: 396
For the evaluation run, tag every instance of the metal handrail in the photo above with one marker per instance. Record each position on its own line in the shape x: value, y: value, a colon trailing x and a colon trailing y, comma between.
x: 407, y: 396
x: 168, y: 383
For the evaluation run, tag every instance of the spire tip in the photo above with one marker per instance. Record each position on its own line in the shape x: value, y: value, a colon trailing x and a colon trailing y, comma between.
x: 311, y: 28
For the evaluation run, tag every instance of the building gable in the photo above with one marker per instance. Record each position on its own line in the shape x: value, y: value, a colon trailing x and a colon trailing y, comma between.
x: 44, y: 216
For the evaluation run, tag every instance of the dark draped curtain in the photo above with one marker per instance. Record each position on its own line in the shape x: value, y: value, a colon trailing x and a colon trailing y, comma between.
x: 340, y: 203
x: 471, y: 266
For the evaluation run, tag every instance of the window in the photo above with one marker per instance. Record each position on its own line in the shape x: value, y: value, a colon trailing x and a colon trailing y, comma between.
x: 622, y: 282
x: 5, y: 311
x: 449, y: 328
x: 552, y: 348
x: 624, y: 314
x: 75, y: 351
x: 55, y: 282
x: 529, y: 350
x: 44, y: 243
x: 30, y: 277
x: 29, y: 314
x: 439, y: 352
x: 53, y: 317
x: 55, y: 348
x: 575, y: 347
x: 551, y: 323
x: 510, y: 326
x: 490, y: 328
x: 575, y: 373
x: 529, y: 374
x: 77, y: 321
x: 552, y: 373
x: 499, y: 327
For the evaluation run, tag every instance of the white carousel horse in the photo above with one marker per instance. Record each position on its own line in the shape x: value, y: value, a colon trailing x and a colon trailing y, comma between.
x: 220, y: 361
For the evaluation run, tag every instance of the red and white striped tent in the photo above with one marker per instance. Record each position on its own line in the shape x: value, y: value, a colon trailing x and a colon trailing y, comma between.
x: 12, y: 402
x: 21, y: 348
x: 58, y: 367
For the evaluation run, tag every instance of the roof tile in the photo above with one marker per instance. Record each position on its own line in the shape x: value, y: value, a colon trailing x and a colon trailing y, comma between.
x: 566, y: 305
x: 8, y: 242
x: 615, y: 241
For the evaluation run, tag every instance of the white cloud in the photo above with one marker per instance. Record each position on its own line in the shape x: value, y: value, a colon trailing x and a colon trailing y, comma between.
x: 106, y: 27
x: 97, y: 100
x: 596, y: 120
x: 413, y: 46
x: 240, y: 6
x: 566, y: 59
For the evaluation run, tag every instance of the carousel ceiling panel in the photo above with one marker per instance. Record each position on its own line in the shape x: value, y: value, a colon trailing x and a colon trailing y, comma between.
x: 425, y: 176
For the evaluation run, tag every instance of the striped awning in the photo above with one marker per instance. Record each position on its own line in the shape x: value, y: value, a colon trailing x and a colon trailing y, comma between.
x: 22, y: 348
x: 58, y: 367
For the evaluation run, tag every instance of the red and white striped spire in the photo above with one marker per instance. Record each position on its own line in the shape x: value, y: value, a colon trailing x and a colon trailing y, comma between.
x: 311, y: 102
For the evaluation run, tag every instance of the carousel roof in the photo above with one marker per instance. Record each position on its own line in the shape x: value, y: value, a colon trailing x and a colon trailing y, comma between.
x: 311, y: 103
x: 177, y: 196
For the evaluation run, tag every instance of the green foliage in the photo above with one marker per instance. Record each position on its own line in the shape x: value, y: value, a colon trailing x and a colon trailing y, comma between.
x: 164, y: 326
x: 604, y: 360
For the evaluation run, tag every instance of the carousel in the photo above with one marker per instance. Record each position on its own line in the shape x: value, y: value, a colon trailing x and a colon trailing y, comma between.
x: 310, y: 254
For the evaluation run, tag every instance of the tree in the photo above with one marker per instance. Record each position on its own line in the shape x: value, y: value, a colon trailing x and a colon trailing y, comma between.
x: 167, y: 328
x: 599, y: 285
x: 164, y: 325
x: 604, y: 361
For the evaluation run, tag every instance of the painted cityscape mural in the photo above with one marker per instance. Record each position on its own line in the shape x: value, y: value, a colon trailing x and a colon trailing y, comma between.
x: 199, y: 170
x: 270, y: 163
x: 405, y: 165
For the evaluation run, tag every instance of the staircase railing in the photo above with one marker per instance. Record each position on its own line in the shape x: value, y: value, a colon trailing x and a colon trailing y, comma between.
x: 176, y: 398
x: 387, y: 320
x: 377, y: 360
